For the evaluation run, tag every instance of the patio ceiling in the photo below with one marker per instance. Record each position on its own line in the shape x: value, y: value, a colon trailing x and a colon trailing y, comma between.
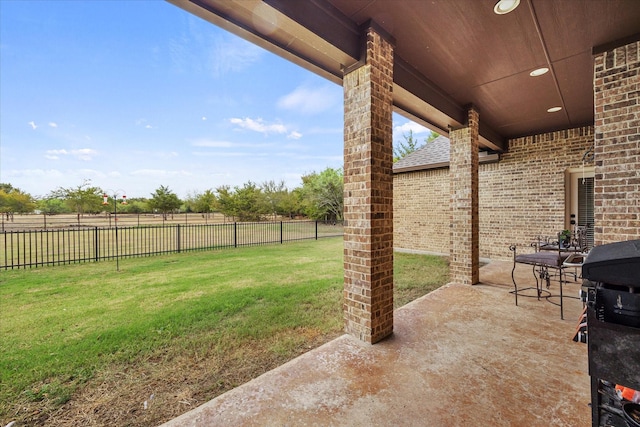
x: 450, y: 53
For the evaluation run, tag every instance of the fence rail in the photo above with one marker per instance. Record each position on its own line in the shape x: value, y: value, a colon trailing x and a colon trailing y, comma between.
x: 34, y: 248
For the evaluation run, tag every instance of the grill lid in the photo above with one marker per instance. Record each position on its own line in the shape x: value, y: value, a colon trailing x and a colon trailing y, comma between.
x: 615, y: 263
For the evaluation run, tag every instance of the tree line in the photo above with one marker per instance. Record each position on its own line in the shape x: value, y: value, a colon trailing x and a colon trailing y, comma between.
x: 320, y: 197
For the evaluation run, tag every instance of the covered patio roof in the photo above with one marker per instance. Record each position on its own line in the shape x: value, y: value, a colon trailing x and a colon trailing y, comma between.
x: 450, y: 53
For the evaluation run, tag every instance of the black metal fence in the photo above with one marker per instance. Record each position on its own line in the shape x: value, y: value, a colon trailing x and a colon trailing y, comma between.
x: 34, y: 248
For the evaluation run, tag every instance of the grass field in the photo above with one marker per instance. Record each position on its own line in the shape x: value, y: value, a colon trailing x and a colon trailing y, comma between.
x: 86, y: 345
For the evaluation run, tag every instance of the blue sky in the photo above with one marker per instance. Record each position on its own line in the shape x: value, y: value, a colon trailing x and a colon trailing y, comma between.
x: 136, y: 94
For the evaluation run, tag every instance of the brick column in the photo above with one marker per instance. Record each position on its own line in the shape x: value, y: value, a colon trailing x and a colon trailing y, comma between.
x: 368, y: 193
x: 617, y: 144
x: 463, y: 173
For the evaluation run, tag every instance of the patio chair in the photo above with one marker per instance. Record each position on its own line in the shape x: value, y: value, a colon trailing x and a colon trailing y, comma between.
x: 549, y: 260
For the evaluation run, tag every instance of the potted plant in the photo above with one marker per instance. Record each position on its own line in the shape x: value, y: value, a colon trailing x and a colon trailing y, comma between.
x: 564, y: 238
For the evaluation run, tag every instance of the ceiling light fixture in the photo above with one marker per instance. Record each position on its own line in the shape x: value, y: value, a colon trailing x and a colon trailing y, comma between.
x: 554, y: 109
x: 539, y: 71
x: 505, y: 6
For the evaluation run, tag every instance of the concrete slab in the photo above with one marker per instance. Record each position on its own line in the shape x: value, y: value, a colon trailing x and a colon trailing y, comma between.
x: 462, y: 355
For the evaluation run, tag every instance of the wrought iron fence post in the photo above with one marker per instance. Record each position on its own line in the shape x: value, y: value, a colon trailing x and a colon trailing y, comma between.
x: 96, y: 243
x: 281, y: 232
x: 117, y: 249
x: 178, y: 237
x: 235, y: 234
x: 316, y: 229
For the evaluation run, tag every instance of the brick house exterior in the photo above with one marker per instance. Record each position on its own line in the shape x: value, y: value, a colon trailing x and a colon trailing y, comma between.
x: 521, y: 196
x: 470, y: 209
x: 525, y: 194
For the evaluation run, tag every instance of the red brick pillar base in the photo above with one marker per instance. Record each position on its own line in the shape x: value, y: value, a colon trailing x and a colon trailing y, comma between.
x: 368, y: 193
x: 617, y: 144
x: 463, y: 172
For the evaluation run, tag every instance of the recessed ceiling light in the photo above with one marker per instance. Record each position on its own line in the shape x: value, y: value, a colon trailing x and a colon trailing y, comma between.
x: 539, y: 71
x: 505, y: 6
x: 554, y: 109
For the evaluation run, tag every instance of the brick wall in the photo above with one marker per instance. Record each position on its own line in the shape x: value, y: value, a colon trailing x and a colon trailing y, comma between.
x: 617, y: 144
x: 521, y: 196
x: 421, y: 210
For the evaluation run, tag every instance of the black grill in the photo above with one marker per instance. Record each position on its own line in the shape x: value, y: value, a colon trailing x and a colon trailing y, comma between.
x: 614, y: 264
x: 613, y: 324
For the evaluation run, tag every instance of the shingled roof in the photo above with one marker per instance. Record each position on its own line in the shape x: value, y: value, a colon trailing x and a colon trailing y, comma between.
x: 434, y: 154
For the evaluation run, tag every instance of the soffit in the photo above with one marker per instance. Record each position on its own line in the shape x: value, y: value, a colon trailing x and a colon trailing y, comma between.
x: 450, y: 53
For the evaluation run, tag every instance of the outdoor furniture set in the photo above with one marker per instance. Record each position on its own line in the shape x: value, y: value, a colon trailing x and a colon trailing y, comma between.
x: 553, y: 259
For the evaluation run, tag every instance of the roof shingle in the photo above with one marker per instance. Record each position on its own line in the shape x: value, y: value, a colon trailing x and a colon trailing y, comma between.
x: 433, y: 154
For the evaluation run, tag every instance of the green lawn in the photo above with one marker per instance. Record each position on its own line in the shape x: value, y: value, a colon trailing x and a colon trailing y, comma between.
x: 173, y: 330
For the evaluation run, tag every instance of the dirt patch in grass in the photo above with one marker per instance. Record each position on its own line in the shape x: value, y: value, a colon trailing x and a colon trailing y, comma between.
x: 167, y: 385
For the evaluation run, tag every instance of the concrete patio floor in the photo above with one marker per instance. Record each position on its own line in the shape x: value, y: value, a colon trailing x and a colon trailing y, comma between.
x: 462, y: 355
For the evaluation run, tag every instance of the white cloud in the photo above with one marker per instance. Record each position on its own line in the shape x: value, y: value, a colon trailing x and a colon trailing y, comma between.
x: 259, y: 125
x: 53, y: 124
x: 55, y: 154
x: 294, y: 135
x: 312, y: 100
x: 85, y: 154
x: 32, y: 124
x: 37, y: 173
x: 409, y: 126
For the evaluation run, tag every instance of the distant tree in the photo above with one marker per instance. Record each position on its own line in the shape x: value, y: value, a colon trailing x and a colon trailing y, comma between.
x: 432, y: 135
x: 246, y: 203
x: 82, y: 199
x: 189, y: 202
x: 136, y: 205
x: 225, y: 201
x: 404, y: 148
x: 410, y: 144
x: 13, y: 200
x: 53, y: 206
x: 6, y: 187
x: 323, y: 194
x: 205, y: 203
x: 250, y: 203
x: 164, y: 200
x: 276, y: 196
x: 291, y: 203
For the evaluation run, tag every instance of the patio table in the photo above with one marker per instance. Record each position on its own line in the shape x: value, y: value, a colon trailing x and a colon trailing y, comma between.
x: 552, y: 258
